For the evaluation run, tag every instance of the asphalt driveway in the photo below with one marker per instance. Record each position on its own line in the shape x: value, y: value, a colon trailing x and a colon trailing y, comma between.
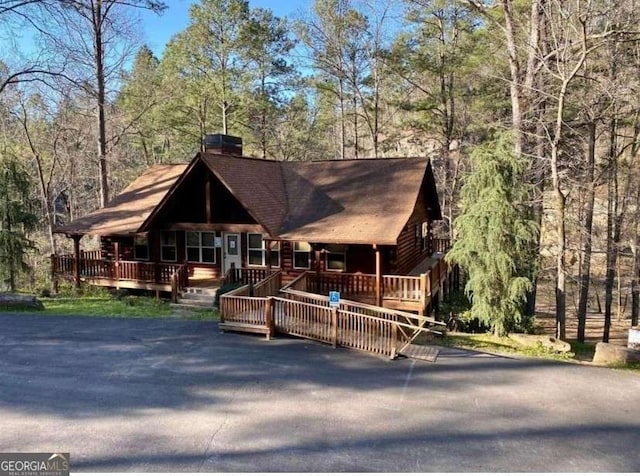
x: 167, y: 395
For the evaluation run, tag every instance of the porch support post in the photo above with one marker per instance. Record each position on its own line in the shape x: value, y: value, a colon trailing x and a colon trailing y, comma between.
x: 317, y: 252
x: 76, y: 261
x: 378, y: 276
x: 116, y: 264
x: 268, y: 257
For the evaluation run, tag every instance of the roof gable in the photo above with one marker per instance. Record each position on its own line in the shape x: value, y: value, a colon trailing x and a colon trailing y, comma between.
x: 257, y: 184
x: 126, y: 212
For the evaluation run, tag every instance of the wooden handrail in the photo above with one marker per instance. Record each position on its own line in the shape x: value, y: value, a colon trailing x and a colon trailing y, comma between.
x: 362, y: 308
x: 179, y: 280
x: 269, y: 286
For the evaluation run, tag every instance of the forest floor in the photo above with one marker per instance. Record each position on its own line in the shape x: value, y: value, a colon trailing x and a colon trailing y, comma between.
x: 620, y: 319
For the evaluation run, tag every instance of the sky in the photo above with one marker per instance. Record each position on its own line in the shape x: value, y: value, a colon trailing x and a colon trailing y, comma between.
x: 158, y: 29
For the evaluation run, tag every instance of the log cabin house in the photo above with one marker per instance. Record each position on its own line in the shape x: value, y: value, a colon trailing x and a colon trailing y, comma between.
x: 224, y: 215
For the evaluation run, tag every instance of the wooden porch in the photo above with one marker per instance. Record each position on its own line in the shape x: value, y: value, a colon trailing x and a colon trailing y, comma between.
x: 408, y: 293
x: 121, y: 274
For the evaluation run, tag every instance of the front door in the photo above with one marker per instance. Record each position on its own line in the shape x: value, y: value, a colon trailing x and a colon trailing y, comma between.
x: 231, y: 251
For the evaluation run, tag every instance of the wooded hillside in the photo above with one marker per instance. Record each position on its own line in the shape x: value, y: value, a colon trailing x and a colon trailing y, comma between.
x: 87, y: 107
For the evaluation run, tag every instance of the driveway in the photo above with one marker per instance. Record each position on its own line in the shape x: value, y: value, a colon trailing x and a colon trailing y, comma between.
x: 167, y: 395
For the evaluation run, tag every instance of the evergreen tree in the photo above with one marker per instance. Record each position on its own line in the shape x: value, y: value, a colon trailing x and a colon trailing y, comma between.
x: 494, y: 235
x: 17, y: 218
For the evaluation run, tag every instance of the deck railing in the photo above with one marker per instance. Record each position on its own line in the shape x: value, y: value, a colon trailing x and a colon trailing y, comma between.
x: 179, y: 281
x: 141, y: 271
x: 360, y: 308
x: 246, y: 275
x: 269, y: 286
x: 339, y: 327
x: 410, y: 289
x: 440, y: 245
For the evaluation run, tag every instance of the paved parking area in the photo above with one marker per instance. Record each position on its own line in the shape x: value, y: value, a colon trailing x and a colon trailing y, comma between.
x: 167, y: 395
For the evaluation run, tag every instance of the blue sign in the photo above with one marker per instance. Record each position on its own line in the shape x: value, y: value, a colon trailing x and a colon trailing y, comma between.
x: 334, y: 299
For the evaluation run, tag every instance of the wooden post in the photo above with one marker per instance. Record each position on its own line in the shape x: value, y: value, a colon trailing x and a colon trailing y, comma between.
x: 423, y: 294
x: 174, y: 289
x: 317, y: 265
x: 334, y: 327
x: 378, y: 276
x: 54, y: 273
x: 269, y: 245
x: 116, y: 265
x: 394, y: 341
x: 76, y: 264
x: 270, y: 321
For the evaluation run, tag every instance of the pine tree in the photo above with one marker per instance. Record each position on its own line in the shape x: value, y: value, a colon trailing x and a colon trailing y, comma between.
x: 494, y: 235
x: 17, y: 218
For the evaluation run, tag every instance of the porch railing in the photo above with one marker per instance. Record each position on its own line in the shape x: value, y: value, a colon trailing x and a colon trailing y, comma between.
x: 339, y: 327
x: 269, y: 286
x: 142, y: 271
x: 179, y: 281
x: 246, y: 275
x: 404, y: 288
x: 440, y: 245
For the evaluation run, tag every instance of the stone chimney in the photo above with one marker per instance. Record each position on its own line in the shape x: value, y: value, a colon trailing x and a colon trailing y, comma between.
x: 222, y: 144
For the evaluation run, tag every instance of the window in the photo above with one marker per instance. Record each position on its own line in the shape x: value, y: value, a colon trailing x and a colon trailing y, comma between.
x: 336, y: 257
x: 201, y: 246
x: 301, y: 255
x: 257, y: 251
x: 141, y: 248
x: 168, y: 246
x: 425, y: 236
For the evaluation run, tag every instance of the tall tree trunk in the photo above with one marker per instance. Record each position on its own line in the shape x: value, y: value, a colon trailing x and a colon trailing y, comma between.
x: 514, y: 67
x: 100, y: 80
x: 585, y: 274
x: 635, y: 288
x: 635, y: 272
x: 612, y: 211
x: 342, y: 118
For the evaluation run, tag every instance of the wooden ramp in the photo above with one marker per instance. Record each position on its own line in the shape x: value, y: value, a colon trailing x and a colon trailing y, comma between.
x: 427, y: 353
x: 367, y: 328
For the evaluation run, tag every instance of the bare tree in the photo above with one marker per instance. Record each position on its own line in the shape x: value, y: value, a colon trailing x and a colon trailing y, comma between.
x: 95, y: 38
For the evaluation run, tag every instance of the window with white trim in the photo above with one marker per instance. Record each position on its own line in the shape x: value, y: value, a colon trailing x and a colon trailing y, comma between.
x: 141, y: 248
x: 168, y: 248
x: 201, y: 246
x: 336, y: 258
x: 301, y: 255
x: 257, y: 251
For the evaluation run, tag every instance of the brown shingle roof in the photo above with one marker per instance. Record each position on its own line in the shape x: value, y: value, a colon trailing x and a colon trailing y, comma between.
x: 257, y: 184
x: 351, y: 201
x: 128, y: 210
x: 338, y: 201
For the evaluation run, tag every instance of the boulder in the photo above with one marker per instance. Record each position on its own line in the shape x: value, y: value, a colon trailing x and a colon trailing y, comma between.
x: 608, y: 354
x: 19, y: 301
x: 634, y: 338
x: 551, y: 343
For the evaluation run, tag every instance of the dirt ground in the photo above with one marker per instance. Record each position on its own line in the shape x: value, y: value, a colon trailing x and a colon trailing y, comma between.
x: 620, y: 321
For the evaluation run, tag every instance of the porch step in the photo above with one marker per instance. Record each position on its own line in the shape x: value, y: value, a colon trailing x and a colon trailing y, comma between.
x: 195, y: 291
x: 196, y: 298
x: 192, y: 305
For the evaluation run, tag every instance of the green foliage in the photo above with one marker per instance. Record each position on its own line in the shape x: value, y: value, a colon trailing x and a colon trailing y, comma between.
x: 503, y: 345
x: 17, y: 219
x: 494, y: 235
